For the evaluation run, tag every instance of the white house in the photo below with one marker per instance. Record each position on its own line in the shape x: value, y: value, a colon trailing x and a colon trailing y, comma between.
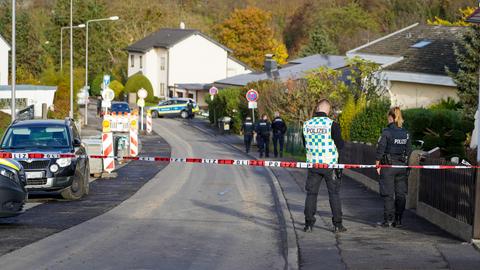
x: 182, y: 62
x: 4, y: 49
x: 415, y: 62
x: 27, y: 95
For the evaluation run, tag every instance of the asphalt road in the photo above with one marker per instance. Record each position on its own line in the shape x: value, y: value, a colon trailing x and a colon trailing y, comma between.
x: 189, y: 216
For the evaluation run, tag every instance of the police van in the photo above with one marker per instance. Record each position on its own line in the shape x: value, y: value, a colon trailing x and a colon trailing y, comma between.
x: 173, y: 107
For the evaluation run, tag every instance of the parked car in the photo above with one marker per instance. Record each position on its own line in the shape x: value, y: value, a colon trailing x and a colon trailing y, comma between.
x: 12, y: 188
x: 67, y: 176
x: 173, y: 106
x: 120, y: 107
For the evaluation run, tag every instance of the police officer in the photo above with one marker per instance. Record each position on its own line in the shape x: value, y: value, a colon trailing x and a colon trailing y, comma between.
x: 323, y: 140
x: 279, y: 128
x: 394, y: 148
x: 263, y: 131
x: 190, y: 109
x: 248, y: 129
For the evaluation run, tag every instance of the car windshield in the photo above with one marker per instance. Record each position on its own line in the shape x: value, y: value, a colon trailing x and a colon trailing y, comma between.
x: 36, y: 137
x: 120, y: 107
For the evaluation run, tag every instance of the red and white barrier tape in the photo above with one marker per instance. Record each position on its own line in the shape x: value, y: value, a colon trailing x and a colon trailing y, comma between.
x: 235, y: 162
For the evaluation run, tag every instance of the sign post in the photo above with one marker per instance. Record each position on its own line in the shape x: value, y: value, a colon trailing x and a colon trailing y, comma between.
x: 142, y: 94
x: 213, y: 91
x: 252, y: 97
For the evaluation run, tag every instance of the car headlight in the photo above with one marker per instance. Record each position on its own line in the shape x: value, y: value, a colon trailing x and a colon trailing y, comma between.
x: 8, y: 174
x: 64, y: 162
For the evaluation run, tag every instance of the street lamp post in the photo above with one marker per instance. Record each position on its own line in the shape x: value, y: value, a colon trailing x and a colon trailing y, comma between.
x: 61, y: 41
x: 71, y: 59
x: 113, y: 18
x: 14, y: 63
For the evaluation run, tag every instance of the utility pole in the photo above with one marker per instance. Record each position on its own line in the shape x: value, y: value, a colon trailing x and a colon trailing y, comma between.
x: 14, y: 63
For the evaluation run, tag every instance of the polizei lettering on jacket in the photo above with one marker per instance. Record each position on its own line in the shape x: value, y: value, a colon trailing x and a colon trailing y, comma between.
x: 317, y: 130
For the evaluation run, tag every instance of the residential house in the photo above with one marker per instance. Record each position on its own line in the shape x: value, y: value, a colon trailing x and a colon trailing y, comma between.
x: 182, y: 62
x: 415, y: 61
x: 4, y: 50
x: 293, y: 70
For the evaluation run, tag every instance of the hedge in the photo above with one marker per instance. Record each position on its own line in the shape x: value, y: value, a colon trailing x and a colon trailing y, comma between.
x: 5, y: 120
x: 229, y: 102
x: 368, y: 124
x: 117, y: 88
x: 442, y: 128
x: 138, y: 81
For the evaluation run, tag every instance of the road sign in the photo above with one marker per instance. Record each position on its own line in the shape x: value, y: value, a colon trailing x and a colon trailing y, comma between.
x: 108, y: 94
x: 252, y: 104
x: 142, y: 93
x: 106, y: 104
x: 106, y: 80
x: 106, y: 126
x: 252, y: 95
x: 141, y: 102
x: 213, y: 91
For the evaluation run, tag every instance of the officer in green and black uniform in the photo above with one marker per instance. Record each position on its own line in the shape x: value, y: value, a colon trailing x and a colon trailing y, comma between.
x: 323, y: 140
x: 248, y: 128
x: 394, y: 148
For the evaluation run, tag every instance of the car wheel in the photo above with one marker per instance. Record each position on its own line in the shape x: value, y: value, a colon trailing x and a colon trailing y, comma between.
x: 76, y: 190
x: 184, y: 114
x: 154, y: 114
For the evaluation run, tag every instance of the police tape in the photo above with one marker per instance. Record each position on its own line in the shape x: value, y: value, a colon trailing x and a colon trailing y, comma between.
x: 235, y: 162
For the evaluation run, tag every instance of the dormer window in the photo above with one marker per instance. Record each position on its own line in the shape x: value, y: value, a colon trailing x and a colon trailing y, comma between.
x: 421, y: 44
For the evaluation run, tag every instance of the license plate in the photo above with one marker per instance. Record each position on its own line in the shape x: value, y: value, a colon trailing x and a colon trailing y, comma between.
x: 34, y: 175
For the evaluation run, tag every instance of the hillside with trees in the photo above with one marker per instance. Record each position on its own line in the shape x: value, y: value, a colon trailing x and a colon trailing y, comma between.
x: 287, y: 28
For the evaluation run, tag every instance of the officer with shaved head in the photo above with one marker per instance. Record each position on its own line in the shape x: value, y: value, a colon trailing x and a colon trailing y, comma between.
x: 323, y: 140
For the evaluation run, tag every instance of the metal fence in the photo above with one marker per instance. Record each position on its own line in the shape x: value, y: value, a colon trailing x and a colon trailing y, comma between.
x: 360, y: 153
x: 450, y: 191
x: 294, y: 142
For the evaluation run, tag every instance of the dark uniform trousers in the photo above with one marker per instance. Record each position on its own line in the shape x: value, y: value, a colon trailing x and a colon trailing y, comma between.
x: 278, y: 139
x: 247, y: 139
x: 314, y: 179
x: 393, y: 189
x: 264, y: 144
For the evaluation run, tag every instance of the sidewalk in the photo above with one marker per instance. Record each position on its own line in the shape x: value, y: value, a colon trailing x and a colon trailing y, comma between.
x: 419, y: 245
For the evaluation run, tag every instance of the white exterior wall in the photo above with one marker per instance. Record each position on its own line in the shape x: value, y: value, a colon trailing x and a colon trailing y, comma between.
x: 234, y: 68
x: 41, y: 96
x: 196, y: 60
x: 136, y: 66
x: 151, y: 68
x: 415, y: 95
x: 4, y: 49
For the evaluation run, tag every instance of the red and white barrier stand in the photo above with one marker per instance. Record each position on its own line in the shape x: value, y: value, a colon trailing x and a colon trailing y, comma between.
x: 107, y: 150
x: 133, y: 138
x: 149, y: 122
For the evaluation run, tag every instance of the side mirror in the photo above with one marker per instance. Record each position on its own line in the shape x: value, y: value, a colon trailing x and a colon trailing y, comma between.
x: 77, y: 142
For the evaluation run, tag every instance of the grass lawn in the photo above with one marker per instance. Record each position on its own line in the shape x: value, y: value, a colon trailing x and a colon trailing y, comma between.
x: 4, y: 122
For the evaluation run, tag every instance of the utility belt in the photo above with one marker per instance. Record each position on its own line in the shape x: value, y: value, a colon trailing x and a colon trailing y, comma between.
x: 389, y: 159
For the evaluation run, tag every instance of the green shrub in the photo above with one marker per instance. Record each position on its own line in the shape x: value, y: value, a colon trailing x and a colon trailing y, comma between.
x: 441, y: 128
x: 447, y: 104
x: 5, y: 120
x: 117, y: 88
x: 351, y: 109
x: 368, y: 124
x: 229, y: 102
x: 138, y: 81
x: 96, y: 85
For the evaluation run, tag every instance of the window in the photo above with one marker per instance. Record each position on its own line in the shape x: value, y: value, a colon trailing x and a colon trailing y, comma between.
x: 421, y: 44
x: 162, y: 63
x: 141, y: 62
x: 132, y: 60
x: 170, y: 93
x: 190, y: 96
x: 162, y: 89
x: 179, y: 94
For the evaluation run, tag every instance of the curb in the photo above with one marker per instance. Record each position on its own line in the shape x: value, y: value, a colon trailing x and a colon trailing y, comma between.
x: 291, y: 250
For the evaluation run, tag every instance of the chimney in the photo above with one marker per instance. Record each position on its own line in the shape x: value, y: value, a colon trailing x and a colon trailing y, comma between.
x: 182, y: 25
x: 270, y: 65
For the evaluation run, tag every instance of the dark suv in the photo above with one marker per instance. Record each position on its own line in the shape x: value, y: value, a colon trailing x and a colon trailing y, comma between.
x: 67, y: 176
